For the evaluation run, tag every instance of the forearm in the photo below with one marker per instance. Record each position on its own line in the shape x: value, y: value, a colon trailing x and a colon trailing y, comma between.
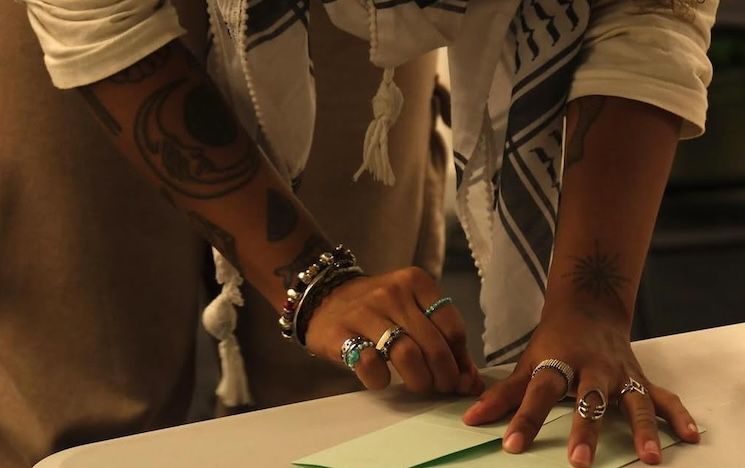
x: 169, y: 120
x: 618, y: 159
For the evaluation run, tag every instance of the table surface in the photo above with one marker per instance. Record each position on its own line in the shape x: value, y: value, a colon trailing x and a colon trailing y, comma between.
x: 706, y: 368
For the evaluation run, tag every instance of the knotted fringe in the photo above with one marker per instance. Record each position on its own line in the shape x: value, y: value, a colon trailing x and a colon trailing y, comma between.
x: 387, y: 105
x: 219, y: 319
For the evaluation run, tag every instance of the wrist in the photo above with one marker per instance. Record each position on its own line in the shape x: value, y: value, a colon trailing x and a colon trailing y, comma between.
x: 311, y: 285
x: 579, y: 310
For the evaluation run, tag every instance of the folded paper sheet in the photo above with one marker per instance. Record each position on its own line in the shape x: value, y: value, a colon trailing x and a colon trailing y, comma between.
x: 423, y: 438
x: 438, y: 438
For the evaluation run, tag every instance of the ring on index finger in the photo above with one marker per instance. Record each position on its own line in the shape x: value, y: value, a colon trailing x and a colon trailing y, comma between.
x: 440, y: 303
x: 564, y: 369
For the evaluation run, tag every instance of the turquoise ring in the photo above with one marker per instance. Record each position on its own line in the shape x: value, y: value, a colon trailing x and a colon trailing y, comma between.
x: 351, y: 350
x: 440, y: 303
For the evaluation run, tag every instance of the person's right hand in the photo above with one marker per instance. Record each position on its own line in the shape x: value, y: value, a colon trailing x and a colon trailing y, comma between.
x: 431, y: 355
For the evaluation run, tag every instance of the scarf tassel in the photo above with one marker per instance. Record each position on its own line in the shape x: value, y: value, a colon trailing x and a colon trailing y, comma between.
x: 219, y: 319
x: 387, y: 105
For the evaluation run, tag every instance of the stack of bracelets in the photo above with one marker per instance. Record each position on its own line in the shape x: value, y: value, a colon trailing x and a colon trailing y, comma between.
x: 311, y: 286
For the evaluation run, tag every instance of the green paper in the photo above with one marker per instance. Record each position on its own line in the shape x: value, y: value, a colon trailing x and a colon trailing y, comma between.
x: 615, y: 447
x: 438, y: 438
x: 428, y: 436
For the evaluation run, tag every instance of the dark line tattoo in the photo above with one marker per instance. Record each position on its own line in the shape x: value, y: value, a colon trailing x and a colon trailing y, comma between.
x: 188, y: 169
x: 220, y: 239
x: 597, y: 274
x: 165, y: 193
x: 207, y: 118
x: 589, y: 110
x: 144, y: 68
x: 281, y: 216
x: 313, y: 247
x: 99, y: 110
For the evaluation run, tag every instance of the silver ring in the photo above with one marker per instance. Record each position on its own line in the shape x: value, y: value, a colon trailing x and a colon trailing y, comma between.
x: 440, y: 303
x: 351, y: 350
x: 633, y: 386
x: 387, y: 339
x: 583, y: 408
x: 561, y: 367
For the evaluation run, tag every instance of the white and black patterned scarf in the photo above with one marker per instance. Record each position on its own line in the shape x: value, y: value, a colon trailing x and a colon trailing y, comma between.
x: 511, y: 64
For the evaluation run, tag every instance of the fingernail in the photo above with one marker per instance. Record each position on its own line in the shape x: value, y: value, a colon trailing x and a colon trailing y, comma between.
x: 693, y: 428
x: 514, y: 442
x: 651, y: 446
x: 581, y: 455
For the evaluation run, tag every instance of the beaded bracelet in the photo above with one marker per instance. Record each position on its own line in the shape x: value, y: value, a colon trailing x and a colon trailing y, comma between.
x: 307, y: 279
x: 312, y: 299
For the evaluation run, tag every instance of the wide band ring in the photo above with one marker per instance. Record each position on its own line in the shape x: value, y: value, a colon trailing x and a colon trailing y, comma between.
x: 351, y: 350
x: 439, y: 303
x: 633, y: 386
x: 564, y: 369
x: 387, y: 339
x: 583, y: 407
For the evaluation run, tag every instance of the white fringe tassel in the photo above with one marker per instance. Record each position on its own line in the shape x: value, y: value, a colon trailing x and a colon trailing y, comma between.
x: 387, y: 105
x: 219, y: 319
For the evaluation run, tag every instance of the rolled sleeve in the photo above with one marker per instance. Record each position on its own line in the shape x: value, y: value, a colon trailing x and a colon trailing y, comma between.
x: 88, y: 40
x: 650, y: 54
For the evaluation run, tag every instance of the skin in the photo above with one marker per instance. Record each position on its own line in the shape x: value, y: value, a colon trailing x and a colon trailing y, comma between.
x: 170, y: 121
x: 612, y: 188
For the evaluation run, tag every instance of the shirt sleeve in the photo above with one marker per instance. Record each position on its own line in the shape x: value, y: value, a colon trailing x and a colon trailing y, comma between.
x: 88, y: 40
x: 649, y: 52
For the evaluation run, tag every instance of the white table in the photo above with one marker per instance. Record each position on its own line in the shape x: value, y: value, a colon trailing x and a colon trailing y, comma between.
x: 707, y: 369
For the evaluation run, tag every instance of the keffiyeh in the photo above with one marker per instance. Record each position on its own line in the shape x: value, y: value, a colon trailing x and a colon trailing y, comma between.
x: 511, y: 64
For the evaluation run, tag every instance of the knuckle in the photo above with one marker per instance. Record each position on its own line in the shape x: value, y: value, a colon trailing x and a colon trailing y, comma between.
x: 441, y: 357
x: 356, y: 316
x: 644, y: 418
x: 455, y: 335
x: 415, y: 275
x: 385, y: 294
x: 528, y: 423
x: 407, y: 352
x: 548, y: 388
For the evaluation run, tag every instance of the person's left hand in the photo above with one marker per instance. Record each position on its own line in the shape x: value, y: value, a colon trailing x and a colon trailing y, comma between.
x: 600, y: 353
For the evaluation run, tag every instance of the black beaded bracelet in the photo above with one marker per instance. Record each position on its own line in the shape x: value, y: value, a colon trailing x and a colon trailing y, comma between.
x: 314, y: 298
x: 307, y: 279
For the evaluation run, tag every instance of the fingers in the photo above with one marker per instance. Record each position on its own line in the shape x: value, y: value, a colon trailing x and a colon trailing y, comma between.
x: 432, y: 353
x: 498, y: 400
x: 404, y: 354
x: 370, y: 368
x: 592, y: 394
x: 541, y: 395
x: 442, y: 337
x: 640, y: 412
x: 409, y: 361
x: 669, y: 407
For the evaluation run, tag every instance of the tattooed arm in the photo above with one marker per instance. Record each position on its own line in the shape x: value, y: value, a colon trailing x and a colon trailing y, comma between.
x: 170, y: 121
x: 618, y: 159
x: 617, y: 164
x: 168, y: 118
